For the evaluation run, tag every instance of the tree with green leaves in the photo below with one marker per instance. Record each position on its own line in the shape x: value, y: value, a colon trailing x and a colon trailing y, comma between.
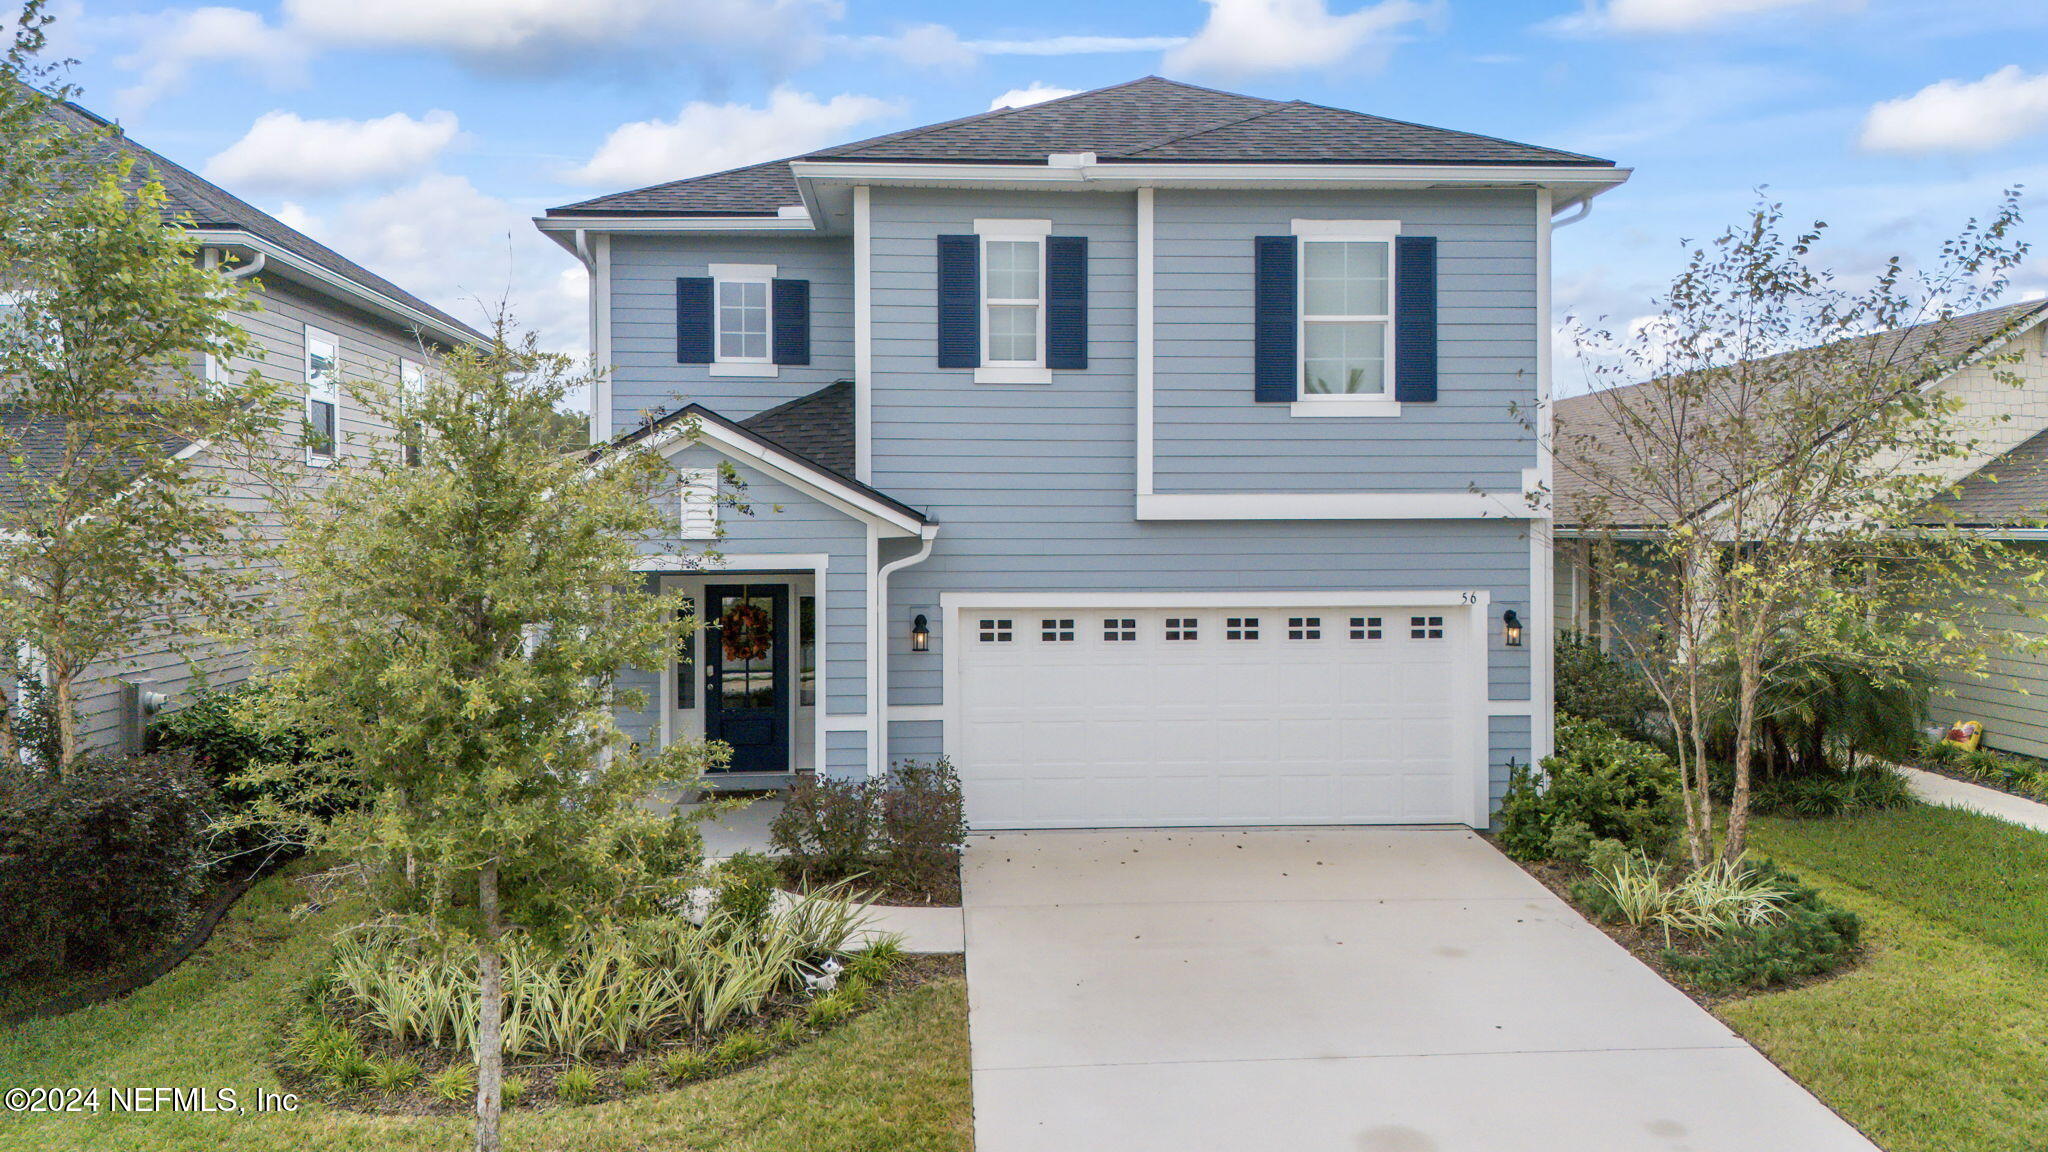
x: 1762, y: 470
x: 115, y: 526
x: 461, y: 625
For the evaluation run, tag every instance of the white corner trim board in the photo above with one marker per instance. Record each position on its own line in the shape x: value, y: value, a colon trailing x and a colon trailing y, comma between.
x: 1147, y: 204
x: 1334, y: 506
x: 863, y: 339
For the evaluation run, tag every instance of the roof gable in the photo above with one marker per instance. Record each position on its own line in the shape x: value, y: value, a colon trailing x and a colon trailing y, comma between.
x: 1146, y: 120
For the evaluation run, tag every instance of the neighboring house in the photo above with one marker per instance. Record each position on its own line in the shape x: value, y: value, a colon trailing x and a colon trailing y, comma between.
x: 324, y: 320
x: 1151, y: 452
x: 2003, y: 491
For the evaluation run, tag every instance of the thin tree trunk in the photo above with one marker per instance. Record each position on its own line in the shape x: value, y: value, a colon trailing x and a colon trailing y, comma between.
x: 10, y: 749
x: 490, y: 1056
x: 67, y: 719
x: 1747, y: 687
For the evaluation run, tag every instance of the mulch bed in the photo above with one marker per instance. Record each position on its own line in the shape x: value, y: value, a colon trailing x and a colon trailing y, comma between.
x: 541, y: 1074
x: 938, y: 892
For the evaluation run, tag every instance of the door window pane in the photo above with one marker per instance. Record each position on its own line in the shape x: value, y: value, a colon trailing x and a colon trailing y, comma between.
x: 807, y: 649
x: 746, y: 638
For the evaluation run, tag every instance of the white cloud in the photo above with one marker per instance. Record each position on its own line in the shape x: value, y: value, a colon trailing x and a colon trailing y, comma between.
x: 1960, y: 116
x: 464, y: 251
x: 707, y: 137
x: 932, y: 46
x: 1033, y: 93
x: 1663, y: 16
x: 1077, y: 45
x: 1260, y: 37
x: 282, y: 152
x: 170, y: 45
x: 553, y: 34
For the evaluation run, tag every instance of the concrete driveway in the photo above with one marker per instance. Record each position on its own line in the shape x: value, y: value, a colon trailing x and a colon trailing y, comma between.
x: 1370, y: 990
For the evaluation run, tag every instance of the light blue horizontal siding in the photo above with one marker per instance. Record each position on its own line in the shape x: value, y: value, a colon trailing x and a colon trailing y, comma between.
x: 846, y: 754
x: 1508, y: 739
x: 645, y: 375
x: 1211, y: 437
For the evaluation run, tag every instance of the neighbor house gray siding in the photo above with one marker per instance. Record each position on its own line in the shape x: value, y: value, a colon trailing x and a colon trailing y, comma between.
x: 369, y: 350
x: 1032, y: 485
x: 647, y: 380
x: 1210, y: 436
x: 2009, y: 698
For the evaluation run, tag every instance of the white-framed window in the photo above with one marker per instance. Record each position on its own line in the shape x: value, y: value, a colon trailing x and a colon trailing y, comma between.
x: 698, y: 503
x: 323, y: 396
x: 743, y: 320
x: 1013, y: 301
x: 1346, y: 337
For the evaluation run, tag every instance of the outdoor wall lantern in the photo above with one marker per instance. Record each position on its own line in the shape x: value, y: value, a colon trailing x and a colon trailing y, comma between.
x: 920, y: 634
x: 1511, y: 628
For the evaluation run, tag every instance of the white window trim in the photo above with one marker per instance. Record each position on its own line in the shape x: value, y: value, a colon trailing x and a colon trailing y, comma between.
x: 1011, y: 371
x: 762, y: 367
x: 1355, y: 231
x: 697, y: 503
x: 330, y: 394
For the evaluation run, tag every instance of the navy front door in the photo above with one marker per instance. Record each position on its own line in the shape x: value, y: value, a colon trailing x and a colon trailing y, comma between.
x: 746, y: 674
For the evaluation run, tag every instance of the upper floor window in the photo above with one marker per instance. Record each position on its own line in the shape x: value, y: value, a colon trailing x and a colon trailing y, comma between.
x: 1013, y: 301
x: 1347, y: 314
x: 743, y: 312
x: 323, y: 396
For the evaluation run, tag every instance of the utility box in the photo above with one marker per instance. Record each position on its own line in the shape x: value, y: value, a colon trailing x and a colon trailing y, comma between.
x: 139, y: 702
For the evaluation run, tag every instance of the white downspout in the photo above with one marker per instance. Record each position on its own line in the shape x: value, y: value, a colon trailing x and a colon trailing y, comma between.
x: 927, y: 536
x: 254, y: 266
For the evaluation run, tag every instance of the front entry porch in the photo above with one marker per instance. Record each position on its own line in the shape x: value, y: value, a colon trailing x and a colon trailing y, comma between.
x: 748, y: 676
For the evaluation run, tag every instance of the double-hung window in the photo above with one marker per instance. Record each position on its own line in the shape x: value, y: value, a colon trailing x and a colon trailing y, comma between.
x: 743, y: 306
x: 1347, y: 311
x: 323, y: 396
x: 1013, y: 301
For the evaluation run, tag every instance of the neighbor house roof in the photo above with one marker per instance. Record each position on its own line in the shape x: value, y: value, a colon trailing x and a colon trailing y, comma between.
x: 213, y: 208
x: 32, y: 447
x: 2008, y: 490
x: 1144, y: 121
x: 1589, y: 433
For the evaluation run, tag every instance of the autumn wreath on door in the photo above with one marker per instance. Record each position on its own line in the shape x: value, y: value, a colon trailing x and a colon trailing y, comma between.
x: 746, y: 632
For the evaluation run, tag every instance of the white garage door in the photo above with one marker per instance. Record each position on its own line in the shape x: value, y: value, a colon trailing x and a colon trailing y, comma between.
x: 1082, y: 718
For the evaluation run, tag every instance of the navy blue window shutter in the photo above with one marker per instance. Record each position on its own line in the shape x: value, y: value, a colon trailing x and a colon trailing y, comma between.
x: 1415, y: 319
x: 1275, y: 320
x: 959, y: 302
x: 1066, y: 302
x: 693, y: 320
x: 792, y: 309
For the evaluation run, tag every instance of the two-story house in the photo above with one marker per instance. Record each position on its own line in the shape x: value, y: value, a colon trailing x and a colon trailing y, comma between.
x: 323, y: 323
x: 1157, y: 453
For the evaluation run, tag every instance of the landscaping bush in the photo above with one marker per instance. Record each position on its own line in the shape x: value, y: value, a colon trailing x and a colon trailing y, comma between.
x: 1599, y: 786
x: 100, y: 863
x: 230, y: 731
x: 1808, y: 937
x: 905, y: 828
x: 1595, y: 686
x: 1868, y: 788
x: 2023, y: 775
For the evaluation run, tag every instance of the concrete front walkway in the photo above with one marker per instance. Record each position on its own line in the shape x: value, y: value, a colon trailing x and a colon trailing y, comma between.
x: 1369, y: 990
x: 1938, y: 789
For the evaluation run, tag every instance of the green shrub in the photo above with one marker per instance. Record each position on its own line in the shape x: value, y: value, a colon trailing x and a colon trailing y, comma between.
x: 455, y: 1083
x: 1808, y: 937
x: 740, y: 1048
x: 1593, y: 685
x: 1600, y: 785
x: 746, y: 888
x: 787, y: 1032
x: 826, y: 824
x: 826, y: 1011
x: 923, y: 822
x: 397, y: 1072
x: 101, y: 863
x: 511, y: 1088
x: 684, y: 1065
x: 1870, y: 788
x: 579, y: 1084
x: 637, y: 1077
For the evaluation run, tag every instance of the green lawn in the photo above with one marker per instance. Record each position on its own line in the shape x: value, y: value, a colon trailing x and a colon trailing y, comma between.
x: 894, y: 1078
x: 1940, y: 1040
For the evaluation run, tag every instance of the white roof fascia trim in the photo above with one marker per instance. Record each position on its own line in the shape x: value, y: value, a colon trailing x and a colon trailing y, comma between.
x: 236, y: 238
x: 675, y: 223
x: 1397, y: 175
x: 813, y: 482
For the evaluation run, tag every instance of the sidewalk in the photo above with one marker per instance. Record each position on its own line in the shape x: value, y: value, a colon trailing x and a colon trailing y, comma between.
x: 1937, y: 789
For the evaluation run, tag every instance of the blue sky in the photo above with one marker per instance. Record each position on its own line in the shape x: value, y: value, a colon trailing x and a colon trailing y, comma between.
x: 419, y: 135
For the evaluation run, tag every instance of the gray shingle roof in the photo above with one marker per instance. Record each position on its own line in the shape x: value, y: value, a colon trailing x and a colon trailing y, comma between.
x: 2010, y: 490
x: 818, y: 427
x: 1144, y: 120
x: 213, y: 207
x: 34, y: 446
x: 1589, y: 444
